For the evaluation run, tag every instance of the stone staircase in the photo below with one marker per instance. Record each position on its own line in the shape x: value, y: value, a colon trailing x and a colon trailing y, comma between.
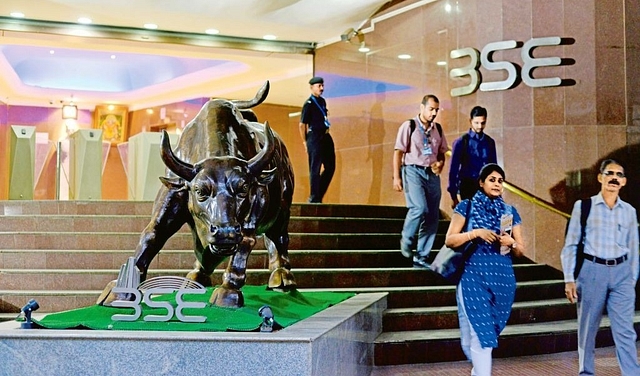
x: 62, y: 253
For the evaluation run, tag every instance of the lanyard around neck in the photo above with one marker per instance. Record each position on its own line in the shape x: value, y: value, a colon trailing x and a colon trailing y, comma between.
x: 318, y: 104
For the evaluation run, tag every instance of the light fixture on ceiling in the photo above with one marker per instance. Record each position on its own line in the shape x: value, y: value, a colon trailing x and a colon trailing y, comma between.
x: 269, y: 37
x: 17, y: 14
x: 363, y: 48
x: 69, y: 111
x: 84, y: 20
x: 352, y: 33
x: 150, y: 26
x: 212, y: 31
x: 348, y: 34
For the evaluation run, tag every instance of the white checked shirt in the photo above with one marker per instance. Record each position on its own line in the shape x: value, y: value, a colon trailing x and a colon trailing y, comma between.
x: 610, y: 233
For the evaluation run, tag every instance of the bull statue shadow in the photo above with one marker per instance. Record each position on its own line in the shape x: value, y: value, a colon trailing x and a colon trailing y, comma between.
x: 230, y: 180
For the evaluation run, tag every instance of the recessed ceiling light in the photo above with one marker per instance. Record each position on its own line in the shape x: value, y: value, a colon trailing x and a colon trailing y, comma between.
x: 17, y: 14
x: 447, y: 8
x: 150, y: 26
x: 52, y: 52
x: 364, y: 49
x: 212, y: 31
x: 404, y: 56
x: 269, y: 37
x: 113, y: 57
x: 441, y: 63
x: 84, y: 20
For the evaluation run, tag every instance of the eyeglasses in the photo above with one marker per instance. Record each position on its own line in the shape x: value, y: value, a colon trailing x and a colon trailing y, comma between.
x: 611, y: 173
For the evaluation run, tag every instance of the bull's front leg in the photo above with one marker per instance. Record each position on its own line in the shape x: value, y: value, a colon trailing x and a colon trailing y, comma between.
x: 229, y: 294
x: 279, y: 265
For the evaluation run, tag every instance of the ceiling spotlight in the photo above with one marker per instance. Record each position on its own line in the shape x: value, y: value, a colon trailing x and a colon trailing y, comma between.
x: 69, y: 111
x: 348, y: 34
x: 404, y: 56
x: 363, y: 48
x: 17, y: 14
x: 441, y: 63
x: 212, y: 31
x: 84, y: 20
x: 150, y: 26
x: 269, y: 37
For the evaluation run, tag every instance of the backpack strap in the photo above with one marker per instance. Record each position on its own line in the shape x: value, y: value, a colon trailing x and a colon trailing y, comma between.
x: 464, y: 161
x: 584, y: 214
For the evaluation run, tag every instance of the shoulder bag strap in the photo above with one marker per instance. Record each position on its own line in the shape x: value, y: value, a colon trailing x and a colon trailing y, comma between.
x: 584, y: 214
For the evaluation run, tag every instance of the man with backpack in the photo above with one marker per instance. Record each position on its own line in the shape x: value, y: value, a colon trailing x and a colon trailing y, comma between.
x: 470, y: 153
x: 600, y: 266
x: 418, y: 159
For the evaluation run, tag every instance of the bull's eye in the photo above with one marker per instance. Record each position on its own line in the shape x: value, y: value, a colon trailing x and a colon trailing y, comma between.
x: 240, y: 187
x: 202, y: 191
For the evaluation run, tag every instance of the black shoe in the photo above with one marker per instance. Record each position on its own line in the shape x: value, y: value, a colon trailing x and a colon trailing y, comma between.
x: 420, y: 263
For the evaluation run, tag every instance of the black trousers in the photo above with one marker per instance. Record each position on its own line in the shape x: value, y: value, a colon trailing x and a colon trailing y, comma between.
x: 468, y: 187
x: 322, y: 163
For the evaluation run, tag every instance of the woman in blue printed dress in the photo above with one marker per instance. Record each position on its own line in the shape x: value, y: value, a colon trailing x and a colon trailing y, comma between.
x: 487, y: 287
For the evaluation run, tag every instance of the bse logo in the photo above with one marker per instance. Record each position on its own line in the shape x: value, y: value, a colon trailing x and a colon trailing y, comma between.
x: 515, y: 73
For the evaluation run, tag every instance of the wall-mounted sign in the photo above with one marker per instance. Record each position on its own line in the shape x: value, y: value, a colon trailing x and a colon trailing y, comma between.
x: 529, y: 63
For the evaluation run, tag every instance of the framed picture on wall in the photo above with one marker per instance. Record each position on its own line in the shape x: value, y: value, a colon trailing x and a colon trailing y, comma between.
x: 112, y: 119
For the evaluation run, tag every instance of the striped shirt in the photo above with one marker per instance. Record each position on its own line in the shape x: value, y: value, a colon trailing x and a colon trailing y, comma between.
x: 609, y: 234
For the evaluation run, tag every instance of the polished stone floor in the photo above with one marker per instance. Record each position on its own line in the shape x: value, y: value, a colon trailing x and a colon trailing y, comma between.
x: 560, y: 364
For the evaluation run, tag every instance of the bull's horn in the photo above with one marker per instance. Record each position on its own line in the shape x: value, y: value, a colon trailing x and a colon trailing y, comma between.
x: 261, y: 95
x: 260, y: 160
x: 173, y: 163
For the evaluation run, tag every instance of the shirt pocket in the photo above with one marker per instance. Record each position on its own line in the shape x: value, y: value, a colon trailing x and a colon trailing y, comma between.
x: 622, y: 236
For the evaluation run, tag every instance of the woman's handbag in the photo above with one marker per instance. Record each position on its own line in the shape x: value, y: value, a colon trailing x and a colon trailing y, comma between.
x: 449, y: 262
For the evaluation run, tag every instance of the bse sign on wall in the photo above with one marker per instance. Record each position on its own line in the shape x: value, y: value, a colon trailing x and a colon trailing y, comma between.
x: 484, y: 58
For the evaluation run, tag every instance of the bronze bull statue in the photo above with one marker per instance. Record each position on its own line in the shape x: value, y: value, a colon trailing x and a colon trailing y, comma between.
x: 230, y: 180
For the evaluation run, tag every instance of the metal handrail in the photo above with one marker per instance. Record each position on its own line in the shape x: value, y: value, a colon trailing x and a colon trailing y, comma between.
x: 533, y: 199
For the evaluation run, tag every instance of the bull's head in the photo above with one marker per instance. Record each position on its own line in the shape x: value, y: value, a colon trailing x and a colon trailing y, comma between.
x: 226, y: 192
x: 222, y: 191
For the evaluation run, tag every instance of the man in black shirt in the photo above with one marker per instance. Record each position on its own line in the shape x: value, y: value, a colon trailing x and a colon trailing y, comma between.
x: 314, y: 131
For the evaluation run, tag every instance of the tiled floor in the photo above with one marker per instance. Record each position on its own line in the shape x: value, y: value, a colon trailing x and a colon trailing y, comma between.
x: 549, y: 365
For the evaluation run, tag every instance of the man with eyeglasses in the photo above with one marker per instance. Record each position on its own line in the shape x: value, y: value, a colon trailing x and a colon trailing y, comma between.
x: 609, y: 271
x: 418, y: 159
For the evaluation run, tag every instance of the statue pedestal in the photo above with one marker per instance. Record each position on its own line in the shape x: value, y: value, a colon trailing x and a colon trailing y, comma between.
x: 336, y: 341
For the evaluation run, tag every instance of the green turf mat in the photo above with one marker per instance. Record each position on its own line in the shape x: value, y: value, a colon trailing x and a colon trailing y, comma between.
x: 288, y: 308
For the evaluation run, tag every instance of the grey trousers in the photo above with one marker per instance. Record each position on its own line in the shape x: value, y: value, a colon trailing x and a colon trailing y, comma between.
x: 601, y: 286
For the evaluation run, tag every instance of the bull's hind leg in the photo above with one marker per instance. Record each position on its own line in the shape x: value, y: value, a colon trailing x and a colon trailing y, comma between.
x: 279, y: 265
x: 235, y: 276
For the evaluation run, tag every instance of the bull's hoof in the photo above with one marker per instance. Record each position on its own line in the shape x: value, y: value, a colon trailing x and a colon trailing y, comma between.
x: 200, y: 277
x: 282, y: 278
x: 224, y: 297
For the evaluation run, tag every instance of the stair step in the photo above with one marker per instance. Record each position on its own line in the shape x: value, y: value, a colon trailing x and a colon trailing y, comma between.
x: 92, y: 279
x: 137, y: 223
x: 181, y: 259
x: 431, y: 346
x: 115, y: 207
x: 442, y: 296
x: 428, y: 318
x: 183, y: 240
